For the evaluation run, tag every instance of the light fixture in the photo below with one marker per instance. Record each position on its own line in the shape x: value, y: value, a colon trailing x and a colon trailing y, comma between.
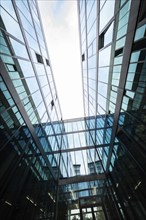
x: 94, y: 190
x: 8, y: 203
x: 31, y: 201
x: 49, y: 194
x: 137, y: 185
x: 72, y: 193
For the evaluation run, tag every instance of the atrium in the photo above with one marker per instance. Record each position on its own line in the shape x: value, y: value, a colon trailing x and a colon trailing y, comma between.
x: 87, y: 168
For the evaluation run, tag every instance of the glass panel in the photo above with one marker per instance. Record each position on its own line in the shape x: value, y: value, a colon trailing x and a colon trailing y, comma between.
x: 102, y: 89
x: 19, y: 49
x: 37, y: 98
x: 9, y: 7
x: 124, y: 10
x: 32, y: 42
x: 135, y: 56
x: 102, y: 54
x: 26, y: 68
x: 123, y: 21
x: 43, y: 80
x: 108, y: 35
x: 11, y: 25
x: 106, y: 13
x: 103, y: 74
x: 122, y: 31
x: 140, y: 33
x: 28, y: 25
x: 32, y: 84
x: 120, y: 43
x: 91, y: 17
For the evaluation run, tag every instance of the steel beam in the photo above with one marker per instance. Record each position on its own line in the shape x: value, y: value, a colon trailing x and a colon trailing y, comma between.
x: 72, y: 149
x: 78, y: 179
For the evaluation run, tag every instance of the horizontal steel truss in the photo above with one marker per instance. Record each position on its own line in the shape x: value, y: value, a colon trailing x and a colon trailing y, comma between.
x: 72, y: 149
x: 79, y: 179
x: 80, y: 190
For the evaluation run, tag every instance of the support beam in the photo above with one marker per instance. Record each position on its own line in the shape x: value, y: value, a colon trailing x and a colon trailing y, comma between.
x: 80, y: 190
x: 78, y: 179
x: 81, y: 131
x: 72, y: 149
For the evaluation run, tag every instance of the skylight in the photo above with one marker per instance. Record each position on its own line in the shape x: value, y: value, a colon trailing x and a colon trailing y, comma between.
x: 60, y: 23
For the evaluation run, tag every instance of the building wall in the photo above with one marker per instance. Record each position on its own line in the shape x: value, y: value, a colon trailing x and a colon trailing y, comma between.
x: 119, y: 83
x: 29, y: 105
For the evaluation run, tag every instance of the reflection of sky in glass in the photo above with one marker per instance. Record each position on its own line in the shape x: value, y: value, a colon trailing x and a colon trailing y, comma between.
x: 11, y: 25
x: 106, y: 13
x: 32, y: 84
x: 104, y: 57
x: 140, y: 32
x: 102, y: 89
x: 9, y: 6
x: 26, y: 68
x: 108, y: 35
x: 103, y: 74
x: 37, y: 98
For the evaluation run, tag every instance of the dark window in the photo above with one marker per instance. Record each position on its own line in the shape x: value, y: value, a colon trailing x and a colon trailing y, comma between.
x: 105, y: 37
x: 52, y: 104
x: 139, y: 44
x: 83, y: 57
x: 118, y: 52
x: 11, y: 67
x: 101, y: 41
x: 39, y: 58
x: 47, y: 62
x: 142, y: 11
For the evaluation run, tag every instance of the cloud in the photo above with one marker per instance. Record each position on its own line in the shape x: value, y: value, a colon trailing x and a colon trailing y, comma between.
x: 61, y: 29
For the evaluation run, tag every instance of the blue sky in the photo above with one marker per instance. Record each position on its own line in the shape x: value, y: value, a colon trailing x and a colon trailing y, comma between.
x: 60, y: 22
x: 57, y: 8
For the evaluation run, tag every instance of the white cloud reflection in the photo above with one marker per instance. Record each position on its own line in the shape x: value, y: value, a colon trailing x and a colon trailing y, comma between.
x: 60, y: 24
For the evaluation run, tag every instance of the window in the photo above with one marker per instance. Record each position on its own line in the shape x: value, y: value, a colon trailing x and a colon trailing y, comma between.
x: 142, y: 13
x: 11, y: 67
x: 118, y: 52
x: 106, y: 37
x: 83, y: 57
x: 39, y: 58
x: 52, y: 104
x: 47, y: 62
x: 101, y: 41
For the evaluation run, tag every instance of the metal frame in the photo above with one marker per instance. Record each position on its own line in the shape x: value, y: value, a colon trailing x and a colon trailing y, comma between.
x: 21, y: 108
x: 125, y: 64
x: 83, y: 178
